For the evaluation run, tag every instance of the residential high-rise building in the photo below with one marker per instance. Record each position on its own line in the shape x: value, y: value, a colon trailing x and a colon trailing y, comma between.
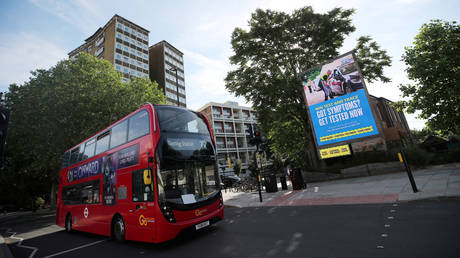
x: 121, y: 42
x: 231, y: 124
x: 167, y: 69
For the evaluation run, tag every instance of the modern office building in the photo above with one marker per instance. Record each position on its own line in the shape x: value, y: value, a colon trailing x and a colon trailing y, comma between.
x: 230, y: 124
x: 167, y: 69
x: 121, y: 42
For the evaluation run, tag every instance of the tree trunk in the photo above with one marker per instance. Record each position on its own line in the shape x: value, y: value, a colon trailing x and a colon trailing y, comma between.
x: 53, y: 196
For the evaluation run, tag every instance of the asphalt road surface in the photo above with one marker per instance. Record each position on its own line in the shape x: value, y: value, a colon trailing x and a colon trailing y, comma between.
x: 414, y: 229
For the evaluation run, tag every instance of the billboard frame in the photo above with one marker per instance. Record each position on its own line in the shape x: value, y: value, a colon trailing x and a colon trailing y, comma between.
x: 379, y: 129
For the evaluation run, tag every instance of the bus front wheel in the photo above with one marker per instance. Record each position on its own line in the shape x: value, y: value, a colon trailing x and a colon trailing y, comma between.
x: 118, y: 228
x: 68, y: 223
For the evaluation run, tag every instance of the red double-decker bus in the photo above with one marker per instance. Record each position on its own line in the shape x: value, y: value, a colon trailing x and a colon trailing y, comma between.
x: 146, y: 177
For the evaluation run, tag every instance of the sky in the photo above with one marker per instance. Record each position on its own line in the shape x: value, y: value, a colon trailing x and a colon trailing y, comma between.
x: 36, y: 34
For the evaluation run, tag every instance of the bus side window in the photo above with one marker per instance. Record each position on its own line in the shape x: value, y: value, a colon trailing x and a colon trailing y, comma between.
x: 84, y: 193
x: 141, y: 192
x: 65, y: 160
x: 138, y: 125
x: 102, y: 143
x: 74, y: 155
x: 89, y: 149
x: 81, y: 155
x: 119, y: 134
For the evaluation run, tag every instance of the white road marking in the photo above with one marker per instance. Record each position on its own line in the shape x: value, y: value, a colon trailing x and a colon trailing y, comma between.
x: 384, y: 235
x: 316, y: 189
x: 380, y: 247
x: 387, y: 225
x: 76, y: 248
x: 20, y: 245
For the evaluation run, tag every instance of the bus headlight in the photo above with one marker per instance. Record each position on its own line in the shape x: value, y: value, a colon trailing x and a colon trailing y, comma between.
x: 168, y: 214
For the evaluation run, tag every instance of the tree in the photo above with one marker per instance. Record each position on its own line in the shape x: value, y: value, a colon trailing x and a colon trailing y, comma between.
x: 420, y: 135
x: 433, y: 64
x: 60, y: 107
x: 271, y: 54
x: 237, y: 167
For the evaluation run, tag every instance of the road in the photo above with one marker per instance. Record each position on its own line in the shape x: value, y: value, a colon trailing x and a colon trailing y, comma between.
x: 408, y: 229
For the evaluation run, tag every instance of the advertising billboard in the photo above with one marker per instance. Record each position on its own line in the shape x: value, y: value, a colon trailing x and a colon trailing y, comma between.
x: 337, y: 102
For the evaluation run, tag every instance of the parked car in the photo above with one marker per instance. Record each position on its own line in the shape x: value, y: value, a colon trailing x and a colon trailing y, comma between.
x: 230, y: 180
x: 343, y: 84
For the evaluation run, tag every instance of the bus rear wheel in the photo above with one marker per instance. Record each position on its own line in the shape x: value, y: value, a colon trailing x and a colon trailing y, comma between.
x: 118, y: 228
x: 68, y: 223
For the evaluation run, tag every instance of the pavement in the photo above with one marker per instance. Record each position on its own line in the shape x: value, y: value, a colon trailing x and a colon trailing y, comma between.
x: 441, y: 181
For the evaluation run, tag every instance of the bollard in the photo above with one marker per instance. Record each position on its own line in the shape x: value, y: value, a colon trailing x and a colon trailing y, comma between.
x: 402, y: 158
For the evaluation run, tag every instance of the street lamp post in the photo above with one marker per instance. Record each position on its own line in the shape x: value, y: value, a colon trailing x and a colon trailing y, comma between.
x: 177, y: 84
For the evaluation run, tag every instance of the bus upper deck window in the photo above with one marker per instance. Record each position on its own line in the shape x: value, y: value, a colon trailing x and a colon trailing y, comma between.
x: 138, y: 125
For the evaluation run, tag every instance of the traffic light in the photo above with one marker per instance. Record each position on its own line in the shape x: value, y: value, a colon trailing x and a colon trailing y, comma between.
x: 4, y: 118
x: 256, y: 136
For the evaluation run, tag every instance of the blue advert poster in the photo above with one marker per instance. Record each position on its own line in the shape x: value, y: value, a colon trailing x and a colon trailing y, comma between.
x: 343, y: 118
x: 337, y: 101
x: 110, y: 164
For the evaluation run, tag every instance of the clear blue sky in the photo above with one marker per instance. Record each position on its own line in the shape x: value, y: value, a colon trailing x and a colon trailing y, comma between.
x: 38, y: 33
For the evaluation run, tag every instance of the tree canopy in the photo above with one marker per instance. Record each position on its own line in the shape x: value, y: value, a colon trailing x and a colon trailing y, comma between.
x: 269, y: 57
x: 433, y: 64
x: 60, y: 107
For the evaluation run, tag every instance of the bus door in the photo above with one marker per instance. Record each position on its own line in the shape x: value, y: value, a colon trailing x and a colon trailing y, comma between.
x: 141, y: 219
x: 90, y: 209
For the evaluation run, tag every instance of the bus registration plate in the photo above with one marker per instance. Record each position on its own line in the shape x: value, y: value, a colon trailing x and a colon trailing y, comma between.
x: 202, y: 225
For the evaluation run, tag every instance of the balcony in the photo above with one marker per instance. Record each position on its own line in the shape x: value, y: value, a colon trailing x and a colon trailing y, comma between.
x: 240, y: 132
x: 217, y: 117
x: 229, y: 131
x: 99, y: 41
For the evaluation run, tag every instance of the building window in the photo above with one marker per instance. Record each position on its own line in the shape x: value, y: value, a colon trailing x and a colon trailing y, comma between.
x: 230, y: 143
x: 99, y: 51
x: 220, y: 142
x: 218, y: 127
x: 228, y: 128
x: 227, y: 113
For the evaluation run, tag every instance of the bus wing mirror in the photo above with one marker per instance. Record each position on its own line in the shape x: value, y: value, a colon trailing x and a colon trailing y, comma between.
x: 147, y: 177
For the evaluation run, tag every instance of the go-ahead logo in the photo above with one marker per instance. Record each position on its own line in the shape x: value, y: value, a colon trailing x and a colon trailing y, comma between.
x: 143, y: 221
x: 199, y: 212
